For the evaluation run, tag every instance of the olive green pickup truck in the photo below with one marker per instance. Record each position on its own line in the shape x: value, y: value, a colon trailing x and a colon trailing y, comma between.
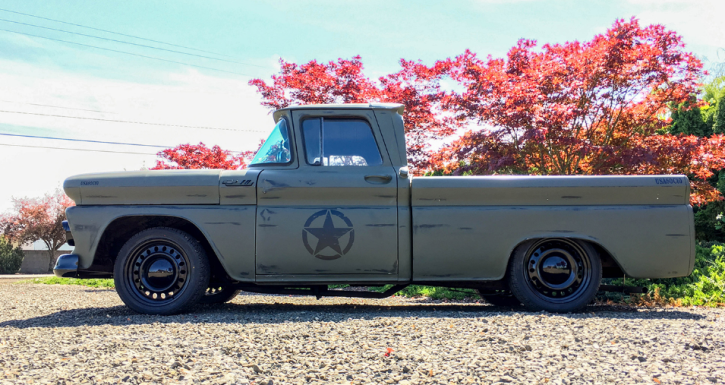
x: 328, y: 200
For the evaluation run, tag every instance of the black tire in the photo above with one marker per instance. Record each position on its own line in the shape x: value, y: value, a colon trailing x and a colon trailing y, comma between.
x: 161, y: 271
x: 504, y: 299
x: 555, y: 275
x: 219, y: 294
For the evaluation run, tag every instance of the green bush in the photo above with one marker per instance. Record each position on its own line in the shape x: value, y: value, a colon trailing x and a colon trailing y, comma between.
x: 10, y: 257
x: 704, y: 287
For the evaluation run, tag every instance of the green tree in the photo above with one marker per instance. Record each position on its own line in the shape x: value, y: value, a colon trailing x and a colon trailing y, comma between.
x: 687, y: 119
x: 704, y: 115
x: 10, y: 257
x: 713, y: 114
x: 718, y: 116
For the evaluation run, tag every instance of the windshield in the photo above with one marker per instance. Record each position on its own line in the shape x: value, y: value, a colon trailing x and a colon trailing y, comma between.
x: 277, y: 148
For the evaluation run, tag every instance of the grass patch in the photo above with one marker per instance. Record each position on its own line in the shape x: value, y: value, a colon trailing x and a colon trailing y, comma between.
x: 95, y: 282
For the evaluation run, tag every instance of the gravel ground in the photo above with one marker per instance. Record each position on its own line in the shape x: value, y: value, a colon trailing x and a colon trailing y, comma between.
x: 64, y: 334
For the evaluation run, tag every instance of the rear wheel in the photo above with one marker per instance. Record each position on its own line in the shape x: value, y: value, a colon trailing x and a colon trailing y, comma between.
x: 161, y: 271
x: 556, y: 275
x: 220, y: 293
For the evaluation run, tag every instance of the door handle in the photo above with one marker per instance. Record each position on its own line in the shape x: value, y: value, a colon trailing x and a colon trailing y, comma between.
x: 378, y: 178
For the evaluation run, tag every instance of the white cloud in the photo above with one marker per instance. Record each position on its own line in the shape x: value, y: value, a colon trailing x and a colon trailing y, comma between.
x: 698, y: 22
x: 187, y: 98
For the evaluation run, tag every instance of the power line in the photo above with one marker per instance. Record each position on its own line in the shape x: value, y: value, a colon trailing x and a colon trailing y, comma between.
x: 126, y: 42
x: 83, y: 140
x: 90, y: 141
x: 127, y: 53
x: 49, y: 105
x: 75, y: 149
x: 127, y: 121
x: 115, y: 33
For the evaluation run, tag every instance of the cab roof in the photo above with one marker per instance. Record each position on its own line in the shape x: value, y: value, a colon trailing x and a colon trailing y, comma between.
x: 397, y: 107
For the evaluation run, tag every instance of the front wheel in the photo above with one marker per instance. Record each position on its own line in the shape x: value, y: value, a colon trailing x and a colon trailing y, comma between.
x: 161, y: 271
x: 556, y: 275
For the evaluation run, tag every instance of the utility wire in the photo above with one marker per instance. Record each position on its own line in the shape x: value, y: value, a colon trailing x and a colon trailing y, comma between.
x: 127, y: 121
x: 115, y: 33
x: 127, y: 53
x: 49, y: 105
x: 83, y: 140
x: 91, y: 141
x: 126, y: 42
x: 75, y: 149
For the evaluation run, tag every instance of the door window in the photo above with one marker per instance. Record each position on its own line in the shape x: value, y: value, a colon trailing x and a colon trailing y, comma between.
x: 340, y: 142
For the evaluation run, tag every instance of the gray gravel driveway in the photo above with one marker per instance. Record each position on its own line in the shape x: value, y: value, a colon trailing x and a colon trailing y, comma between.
x: 69, y: 334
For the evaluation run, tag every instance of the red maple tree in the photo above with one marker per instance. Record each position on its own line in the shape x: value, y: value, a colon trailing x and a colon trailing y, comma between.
x: 415, y: 85
x: 596, y: 107
x: 38, y: 219
x: 199, y: 156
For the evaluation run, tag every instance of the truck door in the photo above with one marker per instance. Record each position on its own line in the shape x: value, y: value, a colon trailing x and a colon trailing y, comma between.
x: 336, y: 214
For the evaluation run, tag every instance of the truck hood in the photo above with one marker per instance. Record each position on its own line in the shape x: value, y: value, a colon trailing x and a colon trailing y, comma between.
x: 149, y: 187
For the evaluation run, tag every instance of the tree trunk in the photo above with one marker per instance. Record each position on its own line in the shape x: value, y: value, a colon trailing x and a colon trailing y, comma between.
x: 51, y: 260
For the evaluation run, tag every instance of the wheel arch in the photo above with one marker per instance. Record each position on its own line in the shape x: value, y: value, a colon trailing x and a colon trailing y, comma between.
x: 122, y: 228
x: 610, y: 266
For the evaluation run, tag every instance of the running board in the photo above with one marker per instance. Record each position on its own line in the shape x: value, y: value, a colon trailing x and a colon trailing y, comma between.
x: 323, y: 291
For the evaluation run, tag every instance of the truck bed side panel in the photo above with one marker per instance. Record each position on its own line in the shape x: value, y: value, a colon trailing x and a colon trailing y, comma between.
x: 467, y: 227
x: 475, y: 242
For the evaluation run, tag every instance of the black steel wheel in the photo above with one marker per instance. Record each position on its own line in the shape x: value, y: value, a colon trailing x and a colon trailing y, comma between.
x: 557, y: 275
x: 503, y: 298
x: 219, y: 293
x: 161, y: 271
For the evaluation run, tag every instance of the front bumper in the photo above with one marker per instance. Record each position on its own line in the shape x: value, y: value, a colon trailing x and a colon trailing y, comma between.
x: 66, y: 266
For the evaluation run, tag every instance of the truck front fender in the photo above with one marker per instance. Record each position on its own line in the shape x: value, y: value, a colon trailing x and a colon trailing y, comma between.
x: 228, y: 231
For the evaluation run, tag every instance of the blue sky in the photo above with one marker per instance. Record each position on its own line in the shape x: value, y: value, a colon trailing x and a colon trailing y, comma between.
x: 253, y: 35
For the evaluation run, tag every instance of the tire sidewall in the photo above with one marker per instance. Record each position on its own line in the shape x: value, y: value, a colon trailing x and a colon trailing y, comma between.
x: 197, y: 277
x: 521, y: 289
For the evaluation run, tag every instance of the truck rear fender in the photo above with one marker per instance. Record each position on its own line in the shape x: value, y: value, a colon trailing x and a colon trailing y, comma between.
x: 610, y: 266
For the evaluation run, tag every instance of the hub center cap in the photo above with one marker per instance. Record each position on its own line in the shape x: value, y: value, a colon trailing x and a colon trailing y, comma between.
x: 159, y: 273
x: 555, y: 270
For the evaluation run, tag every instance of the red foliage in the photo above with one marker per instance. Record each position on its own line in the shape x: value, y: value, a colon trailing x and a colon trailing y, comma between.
x: 596, y: 107
x: 415, y: 85
x: 38, y: 219
x: 190, y: 156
